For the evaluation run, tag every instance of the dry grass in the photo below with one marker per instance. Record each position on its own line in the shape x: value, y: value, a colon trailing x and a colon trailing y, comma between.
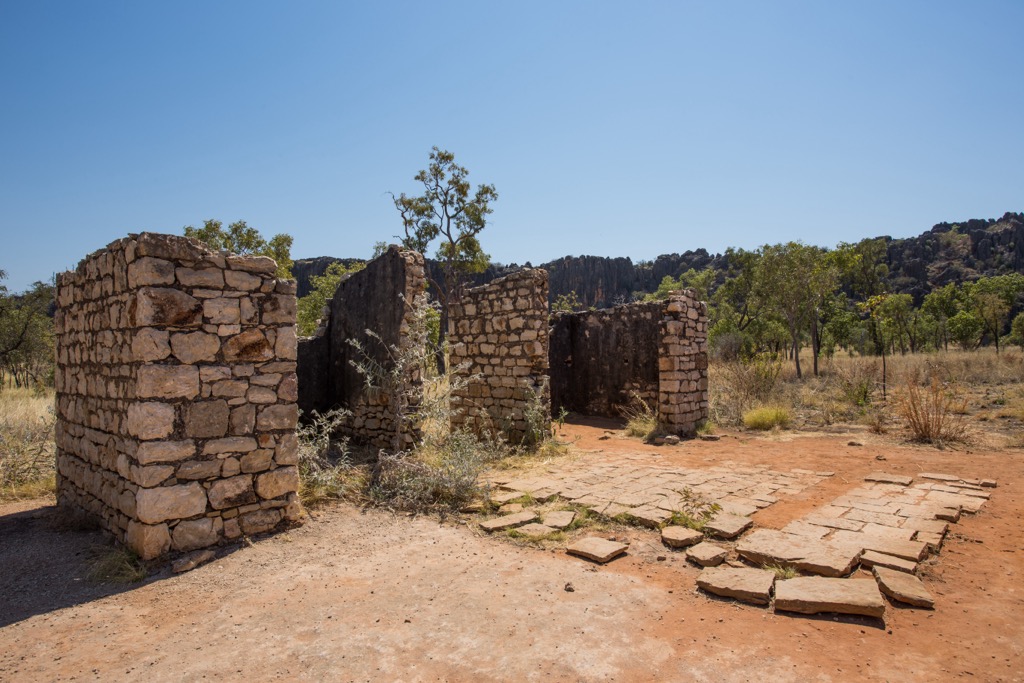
x: 116, y: 565
x: 641, y: 419
x: 26, y: 444
x: 768, y: 417
x: 933, y: 413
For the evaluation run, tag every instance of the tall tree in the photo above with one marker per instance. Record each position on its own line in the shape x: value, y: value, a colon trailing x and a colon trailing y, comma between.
x: 26, y: 333
x: 992, y: 299
x: 240, y: 238
x: 447, y: 212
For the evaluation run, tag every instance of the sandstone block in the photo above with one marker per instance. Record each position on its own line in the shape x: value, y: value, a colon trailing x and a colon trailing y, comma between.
x: 680, y: 536
x: 191, y: 561
x: 886, y: 478
x: 284, y: 416
x: 243, y: 419
x: 232, y: 492
x: 277, y: 483
x: 149, y: 345
x: 164, y: 451
x: 148, y: 540
x: 198, y: 469
x: 207, y: 419
x: 744, y: 584
x: 150, y: 476
x: 167, y: 381
x: 193, y: 534
x: 257, y: 461
x: 597, y: 549
x: 707, y: 554
x: 903, y: 587
x: 195, y: 347
x: 252, y: 264
x: 559, y: 519
x: 726, y: 525
x: 221, y: 311
x: 169, y: 502
x: 250, y: 345
x: 279, y: 309
x: 162, y: 306
x: 211, y: 278
x: 150, y: 420
x: 767, y: 546
x: 508, y: 521
x: 287, y: 452
x: 814, y: 594
x: 230, y: 444
x: 870, y: 559
x: 242, y: 281
x: 150, y: 271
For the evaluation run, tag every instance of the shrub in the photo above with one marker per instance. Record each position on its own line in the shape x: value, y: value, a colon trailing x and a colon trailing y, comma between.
x: 933, y: 414
x: 641, y: 420
x: 325, y: 470
x: 768, y: 417
x: 26, y: 444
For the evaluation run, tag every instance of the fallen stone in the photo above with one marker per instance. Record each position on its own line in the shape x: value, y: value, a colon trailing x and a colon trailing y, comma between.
x: 509, y: 521
x: 672, y: 440
x: 932, y: 540
x: 649, y: 517
x: 710, y: 437
x: 938, y: 477
x: 903, y: 587
x: 597, y: 549
x: 768, y: 546
x: 509, y: 508
x: 858, y: 542
x: 727, y: 525
x: 814, y: 594
x: 886, y: 478
x: 747, y: 584
x: 534, y: 530
x: 560, y: 519
x: 502, y: 497
x: 192, y: 560
x: 707, y: 554
x: 988, y: 483
x: 870, y: 559
x: 680, y: 536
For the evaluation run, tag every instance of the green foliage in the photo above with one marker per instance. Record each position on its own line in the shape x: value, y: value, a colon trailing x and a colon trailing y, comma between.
x: 992, y: 298
x: 701, y: 282
x: 446, y: 211
x: 965, y: 328
x: 311, y: 306
x: 768, y: 417
x: 26, y: 335
x: 240, y: 238
x: 567, y: 303
x: 1017, y: 331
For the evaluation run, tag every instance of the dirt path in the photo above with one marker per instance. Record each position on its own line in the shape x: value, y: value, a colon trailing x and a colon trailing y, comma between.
x: 372, y: 596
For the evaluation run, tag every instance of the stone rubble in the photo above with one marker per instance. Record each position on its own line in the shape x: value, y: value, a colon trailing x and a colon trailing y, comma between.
x: 597, y: 549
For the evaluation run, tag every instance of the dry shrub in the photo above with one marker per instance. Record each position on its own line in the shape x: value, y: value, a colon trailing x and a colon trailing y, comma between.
x: 26, y: 443
x: 856, y: 380
x: 641, y: 420
x: 933, y: 414
x: 736, y: 386
x: 325, y: 469
x: 767, y: 417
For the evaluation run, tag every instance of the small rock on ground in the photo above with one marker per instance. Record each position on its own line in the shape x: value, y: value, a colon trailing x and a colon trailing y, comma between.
x: 871, y: 558
x: 597, y: 549
x: 189, y: 562
x: 508, y: 521
x: 559, y: 519
x: 680, y: 536
x: 747, y: 584
x: 815, y: 594
x: 707, y: 554
x: 903, y: 587
x: 534, y: 530
x: 726, y: 525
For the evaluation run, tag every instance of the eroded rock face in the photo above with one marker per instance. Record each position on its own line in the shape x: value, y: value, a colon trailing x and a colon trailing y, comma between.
x: 164, y: 358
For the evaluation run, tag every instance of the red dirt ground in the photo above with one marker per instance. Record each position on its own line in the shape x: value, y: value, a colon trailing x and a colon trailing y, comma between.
x: 372, y: 596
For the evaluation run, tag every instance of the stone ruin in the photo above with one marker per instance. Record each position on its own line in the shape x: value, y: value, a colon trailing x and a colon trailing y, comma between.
x: 601, y: 361
x: 380, y: 298
x: 498, y: 346
x: 176, y: 394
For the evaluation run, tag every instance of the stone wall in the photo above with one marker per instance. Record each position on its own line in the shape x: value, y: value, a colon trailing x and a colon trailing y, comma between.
x: 176, y: 393
x: 600, y: 359
x: 498, y: 342
x: 379, y: 298
x: 657, y: 350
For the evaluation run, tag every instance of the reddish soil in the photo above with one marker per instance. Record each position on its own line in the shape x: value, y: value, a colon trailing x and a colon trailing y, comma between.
x: 356, y: 595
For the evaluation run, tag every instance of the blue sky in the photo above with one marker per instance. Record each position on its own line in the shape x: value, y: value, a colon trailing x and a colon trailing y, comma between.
x: 609, y: 128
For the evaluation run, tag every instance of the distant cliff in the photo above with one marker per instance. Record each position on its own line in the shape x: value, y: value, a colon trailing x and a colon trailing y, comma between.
x: 949, y: 252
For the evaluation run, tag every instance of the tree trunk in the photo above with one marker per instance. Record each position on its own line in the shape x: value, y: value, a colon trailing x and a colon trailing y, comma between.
x: 796, y: 359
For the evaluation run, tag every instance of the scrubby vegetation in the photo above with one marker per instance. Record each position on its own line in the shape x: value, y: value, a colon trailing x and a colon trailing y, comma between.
x: 26, y: 443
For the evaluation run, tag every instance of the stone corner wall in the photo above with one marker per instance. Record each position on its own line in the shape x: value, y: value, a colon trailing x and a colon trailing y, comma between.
x: 176, y: 393
x: 498, y: 345
x: 683, y: 363
x: 382, y: 298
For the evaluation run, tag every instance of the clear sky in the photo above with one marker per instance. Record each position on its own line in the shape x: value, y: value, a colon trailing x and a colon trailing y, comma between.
x: 609, y: 128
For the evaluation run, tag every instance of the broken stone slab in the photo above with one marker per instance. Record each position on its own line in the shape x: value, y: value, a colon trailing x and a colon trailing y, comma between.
x: 887, y: 478
x: 871, y: 558
x: 509, y: 508
x: 768, y: 546
x: 502, y: 497
x: 534, y: 530
x: 710, y: 437
x: 815, y: 594
x: 801, y: 528
x: 727, y: 525
x: 903, y: 587
x: 560, y: 519
x: 859, y: 542
x: 680, y: 536
x: 509, y: 521
x: 707, y: 554
x: 988, y: 483
x: 597, y: 549
x: 932, y: 540
x: 744, y: 584
x: 736, y: 508
x: 189, y: 562
x: 650, y: 517
x: 939, y: 477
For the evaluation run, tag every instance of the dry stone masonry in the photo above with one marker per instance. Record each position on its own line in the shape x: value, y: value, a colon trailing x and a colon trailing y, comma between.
x: 176, y: 393
x: 498, y: 339
x: 601, y: 361
x: 381, y: 298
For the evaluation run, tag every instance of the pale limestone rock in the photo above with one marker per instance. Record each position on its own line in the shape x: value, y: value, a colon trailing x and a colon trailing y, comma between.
x: 147, y: 540
x: 207, y: 419
x: 278, y: 482
x: 162, y: 306
x: 232, y: 492
x: 150, y: 420
x: 170, y: 502
x: 195, y: 347
x: 194, y: 533
x: 164, y: 451
x: 287, y: 451
x: 167, y: 381
x: 287, y: 344
x: 192, y: 560
x: 149, y: 345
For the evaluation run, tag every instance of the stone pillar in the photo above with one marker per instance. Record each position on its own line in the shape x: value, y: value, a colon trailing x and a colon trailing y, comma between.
x: 498, y: 341
x: 176, y: 393
x: 683, y: 364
